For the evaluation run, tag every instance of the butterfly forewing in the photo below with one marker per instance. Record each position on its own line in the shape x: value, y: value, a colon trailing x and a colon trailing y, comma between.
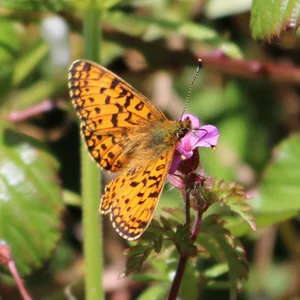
x: 104, y: 101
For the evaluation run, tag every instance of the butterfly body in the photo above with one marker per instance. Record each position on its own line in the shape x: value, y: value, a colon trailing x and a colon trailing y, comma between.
x: 124, y: 132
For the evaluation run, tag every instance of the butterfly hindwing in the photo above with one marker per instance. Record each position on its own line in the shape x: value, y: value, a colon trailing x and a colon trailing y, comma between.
x: 132, y: 197
x: 106, y: 149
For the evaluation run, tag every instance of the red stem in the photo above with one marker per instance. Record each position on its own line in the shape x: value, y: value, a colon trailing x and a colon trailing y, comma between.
x: 13, y: 270
x: 183, y: 259
x: 178, y: 278
x: 197, y: 224
x: 42, y: 107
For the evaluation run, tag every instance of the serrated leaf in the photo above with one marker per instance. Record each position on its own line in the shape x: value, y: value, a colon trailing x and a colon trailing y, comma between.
x: 216, y: 271
x: 176, y: 216
x: 183, y: 241
x: 279, y: 190
x: 226, y: 248
x: 239, y: 228
x: 150, y: 234
x: 234, y: 197
x: 30, y: 200
x: 133, y: 264
x: 136, y: 257
x: 135, y: 250
x: 230, y: 195
x: 270, y: 18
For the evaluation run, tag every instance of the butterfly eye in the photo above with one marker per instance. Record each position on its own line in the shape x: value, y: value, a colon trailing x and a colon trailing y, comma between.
x: 181, y: 132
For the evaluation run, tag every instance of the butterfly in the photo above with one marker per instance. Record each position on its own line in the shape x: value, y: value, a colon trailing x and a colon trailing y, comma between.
x: 124, y: 132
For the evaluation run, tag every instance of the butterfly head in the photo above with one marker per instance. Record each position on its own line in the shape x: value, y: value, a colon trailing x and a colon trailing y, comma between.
x: 185, y: 127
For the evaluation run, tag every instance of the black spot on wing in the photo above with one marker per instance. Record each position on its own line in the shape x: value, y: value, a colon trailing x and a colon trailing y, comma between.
x: 139, y: 106
x: 114, y: 83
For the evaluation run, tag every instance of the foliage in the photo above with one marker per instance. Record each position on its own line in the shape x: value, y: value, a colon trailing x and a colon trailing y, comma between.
x: 30, y: 210
x: 214, y: 244
x: 270, y: 18
x: 246, y: 89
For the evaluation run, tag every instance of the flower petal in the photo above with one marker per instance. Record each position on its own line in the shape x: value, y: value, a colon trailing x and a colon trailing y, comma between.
x: 207, y: 137
x: 186, y: 149
x: 194, y: 120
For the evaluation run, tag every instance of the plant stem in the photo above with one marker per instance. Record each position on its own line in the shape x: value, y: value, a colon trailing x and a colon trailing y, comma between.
x: 186, y: 200
x: 196, y: 227
x: 92, y: 229
x: 183, y: 259
x: 13, y: 270
x: 178, y: 277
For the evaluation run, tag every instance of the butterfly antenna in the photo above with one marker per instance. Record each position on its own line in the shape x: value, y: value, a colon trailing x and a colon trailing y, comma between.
x: 191, y: 87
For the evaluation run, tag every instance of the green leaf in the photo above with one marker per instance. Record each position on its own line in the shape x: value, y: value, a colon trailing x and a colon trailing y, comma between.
x: 154, y: 28
x: 239, y: 228
x: 71, y: 198
x: 278, y: 287
x: 270, y: 18
x: 154, y: 292
x: 31, y: 95
x: 220, y: 8
x: 30, y: 200
x: 166, y: 224
x: 158, y: 244
x: 279, y: 190
x: 225, y: 247
x: 183, y: 241
x: 157, y: 273
x: 233, y: 197
x: 29, y: 61
x: 230, y: 195
x: 190, y: 281
x: 133, y: 264
x: 136, y: 256
x: 135, y: 250
x: 10, y: 41
x: 35, y: 5
x: 216, y: 271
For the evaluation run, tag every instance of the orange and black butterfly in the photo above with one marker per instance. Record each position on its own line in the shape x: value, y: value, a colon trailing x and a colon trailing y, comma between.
x: 124, y: 132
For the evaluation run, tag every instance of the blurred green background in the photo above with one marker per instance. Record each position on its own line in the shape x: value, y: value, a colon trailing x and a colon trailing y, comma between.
x: 248, y: 88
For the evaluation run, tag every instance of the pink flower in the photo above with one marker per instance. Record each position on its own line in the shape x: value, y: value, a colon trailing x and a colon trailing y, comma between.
x: 187, y: 148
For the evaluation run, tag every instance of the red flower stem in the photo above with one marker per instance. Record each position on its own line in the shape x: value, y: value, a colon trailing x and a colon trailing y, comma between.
x: 183, y: 259
x: 187, y: 207
x: 42, y: 107
x: 178, y: 277
x: 13, y: 270
x: 197, y: 224
x: 218, y: 61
